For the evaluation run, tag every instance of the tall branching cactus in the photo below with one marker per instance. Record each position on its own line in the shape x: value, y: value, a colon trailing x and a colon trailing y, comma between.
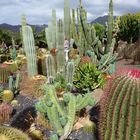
x: 67, y: 18
x: 30, y: 50
x: 62, y: 115
x: 120, y: 107
x: 106, y: 57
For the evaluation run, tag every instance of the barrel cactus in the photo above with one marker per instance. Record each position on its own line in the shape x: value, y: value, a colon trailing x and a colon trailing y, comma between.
x: 9, y: 133
x: 120, y: 107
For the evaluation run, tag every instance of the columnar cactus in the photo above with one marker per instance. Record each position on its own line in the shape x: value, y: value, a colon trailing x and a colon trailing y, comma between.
x: 62, y: 115
x: 70, y: 74
x: 50, y: 68
x: 109, y: 27
x: 54, y: 41
x: 67, y: 18
x: 73, y: 26
x: 23, y: 23
x: 60, y: 47
x: 48, y: 35
x: 30, y: 50
x: 120, y: 107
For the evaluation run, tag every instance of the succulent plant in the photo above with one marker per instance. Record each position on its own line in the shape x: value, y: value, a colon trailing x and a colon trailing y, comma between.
x: 7, y: 95
x: 9, y: 133
x: 120, y: 107
x: 87, y: 77
x: 5, y: 112
x: 62, y: 114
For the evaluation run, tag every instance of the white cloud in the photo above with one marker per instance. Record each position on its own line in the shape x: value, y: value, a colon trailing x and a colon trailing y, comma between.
x: 39, y: 11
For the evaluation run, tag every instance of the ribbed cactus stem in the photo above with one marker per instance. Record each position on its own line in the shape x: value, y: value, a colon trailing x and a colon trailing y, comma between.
x: 23, y: 23
x: 17, y: 80
x: 54, y: 29
x: 69, y: 75
x: 109, y: 27
x: 119, y: 118
x: 73, y: 26
x: 30, y: 51
x: 67, y: 18
x: 10, y: 82
x: 50, y: 68
x: 48, y: 35
x: 71, y: 117
x: 60, y: 35
x: 60, y: 47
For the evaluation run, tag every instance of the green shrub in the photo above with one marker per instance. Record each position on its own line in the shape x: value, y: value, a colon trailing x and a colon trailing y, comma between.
x: 129, y: 27
x: 100, y: 30
x: 88, y: 78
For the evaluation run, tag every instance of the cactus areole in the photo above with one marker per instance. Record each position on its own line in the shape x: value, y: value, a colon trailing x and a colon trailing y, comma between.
x: 120, y: 107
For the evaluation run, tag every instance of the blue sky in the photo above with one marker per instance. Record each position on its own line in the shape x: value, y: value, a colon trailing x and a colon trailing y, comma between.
x: 39, y: 11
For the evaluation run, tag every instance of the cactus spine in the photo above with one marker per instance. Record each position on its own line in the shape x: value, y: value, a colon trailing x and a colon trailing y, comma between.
x: 30, y: 51
x: 119, y: 118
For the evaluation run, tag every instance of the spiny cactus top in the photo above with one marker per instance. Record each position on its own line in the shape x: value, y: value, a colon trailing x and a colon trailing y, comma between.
x: 120, y: 107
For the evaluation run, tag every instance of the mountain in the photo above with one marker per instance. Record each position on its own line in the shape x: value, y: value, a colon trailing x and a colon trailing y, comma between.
x: 39, y: 28
x: 16, y: 28
x: 102, y: 20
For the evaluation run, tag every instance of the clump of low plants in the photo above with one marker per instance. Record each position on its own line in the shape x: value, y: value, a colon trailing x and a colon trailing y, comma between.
x: 87, y: 78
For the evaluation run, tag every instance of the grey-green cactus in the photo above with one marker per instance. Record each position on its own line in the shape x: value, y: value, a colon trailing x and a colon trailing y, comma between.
x: 105, y: 56
x: 11, y: 82
x: 109, y: 27
x: 60, y: 47
x: 50, y: 68
x: 62, y: 114
x: 54, y: 41
x: 67, y: 18
x: 30, y: 50
x: 48, y: 35
x: 69, y: 75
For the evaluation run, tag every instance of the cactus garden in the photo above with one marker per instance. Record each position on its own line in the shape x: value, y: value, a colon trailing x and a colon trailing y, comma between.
x: 74, y: 80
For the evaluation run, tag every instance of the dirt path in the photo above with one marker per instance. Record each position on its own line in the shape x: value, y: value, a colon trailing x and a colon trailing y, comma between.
x: 126, y: 63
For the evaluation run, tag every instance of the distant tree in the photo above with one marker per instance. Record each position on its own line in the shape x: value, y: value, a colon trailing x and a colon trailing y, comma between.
x: 129, y: 26
x: 5, y: 36
x: 100, y: 30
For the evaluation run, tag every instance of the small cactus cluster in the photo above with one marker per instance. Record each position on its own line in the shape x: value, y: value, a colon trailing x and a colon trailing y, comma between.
x: 5, y: 112
x: 62, y: 114
x: 120, y: 107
